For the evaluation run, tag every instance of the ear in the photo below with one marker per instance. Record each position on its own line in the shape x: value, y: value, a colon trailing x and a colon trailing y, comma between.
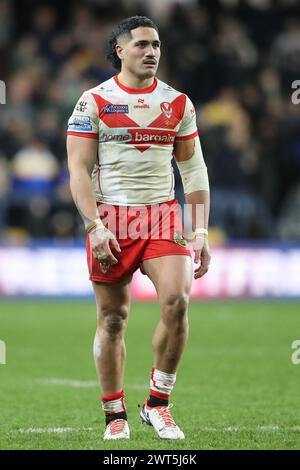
x: 119, y: 51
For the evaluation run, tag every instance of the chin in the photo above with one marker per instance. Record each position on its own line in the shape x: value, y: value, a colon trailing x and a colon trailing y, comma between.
x: 148, y: 74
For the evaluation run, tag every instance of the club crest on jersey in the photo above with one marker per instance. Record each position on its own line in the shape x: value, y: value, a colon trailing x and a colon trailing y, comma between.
x: 166, y: 109
x: 116, y: 109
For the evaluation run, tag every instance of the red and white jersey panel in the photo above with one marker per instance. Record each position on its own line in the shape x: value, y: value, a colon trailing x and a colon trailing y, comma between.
x: 136, y: 130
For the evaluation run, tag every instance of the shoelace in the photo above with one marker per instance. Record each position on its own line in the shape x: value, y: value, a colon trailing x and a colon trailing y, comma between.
x: 165, y: 415
x: 116, y: 426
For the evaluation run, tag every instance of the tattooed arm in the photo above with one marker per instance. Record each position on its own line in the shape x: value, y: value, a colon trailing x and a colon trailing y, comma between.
x: 82, y: 154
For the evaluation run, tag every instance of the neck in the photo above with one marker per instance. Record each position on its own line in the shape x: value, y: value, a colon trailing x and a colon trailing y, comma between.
x: 132, y: 81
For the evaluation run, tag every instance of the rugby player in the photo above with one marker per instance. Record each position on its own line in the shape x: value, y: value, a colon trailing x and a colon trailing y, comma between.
x: 122, y: 137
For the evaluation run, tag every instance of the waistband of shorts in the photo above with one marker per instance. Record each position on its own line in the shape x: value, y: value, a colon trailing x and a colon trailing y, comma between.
x: 148, y: 206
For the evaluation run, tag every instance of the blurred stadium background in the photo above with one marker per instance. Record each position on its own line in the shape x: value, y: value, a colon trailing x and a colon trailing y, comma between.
x: 237, y: 60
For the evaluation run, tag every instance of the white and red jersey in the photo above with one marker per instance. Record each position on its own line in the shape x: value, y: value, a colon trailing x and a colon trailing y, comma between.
x: 136, y: 130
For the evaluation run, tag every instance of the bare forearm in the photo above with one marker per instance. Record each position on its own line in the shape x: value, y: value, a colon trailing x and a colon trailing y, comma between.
x: 83, y: 195
x: 199, y: 202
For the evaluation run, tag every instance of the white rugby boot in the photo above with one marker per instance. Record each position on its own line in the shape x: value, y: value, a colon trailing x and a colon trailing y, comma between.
x: 161, y: 419
x: 117, y: 429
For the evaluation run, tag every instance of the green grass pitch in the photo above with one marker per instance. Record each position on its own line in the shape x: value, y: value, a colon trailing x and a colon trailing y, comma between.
x: 236, y: 386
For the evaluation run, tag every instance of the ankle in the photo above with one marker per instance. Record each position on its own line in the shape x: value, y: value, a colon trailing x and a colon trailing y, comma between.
x: 114, y: 416
x: 155, y: 401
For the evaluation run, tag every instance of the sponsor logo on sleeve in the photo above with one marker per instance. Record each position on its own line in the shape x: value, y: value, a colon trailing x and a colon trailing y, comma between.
x: 80, y: 124
x: 81, y: 106
x: 116, y: 109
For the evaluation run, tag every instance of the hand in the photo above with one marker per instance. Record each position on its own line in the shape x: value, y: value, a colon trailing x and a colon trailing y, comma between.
x: 100, y: 240
x: 202, y: 255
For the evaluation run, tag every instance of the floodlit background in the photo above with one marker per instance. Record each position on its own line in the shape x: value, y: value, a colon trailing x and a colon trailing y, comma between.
x: 239, y: 61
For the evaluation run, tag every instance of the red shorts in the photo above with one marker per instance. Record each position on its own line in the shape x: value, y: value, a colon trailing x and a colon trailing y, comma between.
x: 143, y: 232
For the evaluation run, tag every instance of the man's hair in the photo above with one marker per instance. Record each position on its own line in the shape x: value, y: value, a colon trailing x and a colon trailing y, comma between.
x: 124, y: 28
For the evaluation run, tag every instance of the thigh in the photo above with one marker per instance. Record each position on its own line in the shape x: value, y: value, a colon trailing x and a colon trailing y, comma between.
x: 113, y: 297
x: 171, y: 275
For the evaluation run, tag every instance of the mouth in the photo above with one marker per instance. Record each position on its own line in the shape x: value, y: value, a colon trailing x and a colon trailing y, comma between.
x: 149, y: 63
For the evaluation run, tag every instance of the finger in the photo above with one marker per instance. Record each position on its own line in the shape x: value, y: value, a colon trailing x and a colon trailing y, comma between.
x: 197, y: 257
x: 203, y: 268
x: 102, y: 258
x: 200, y: 273
x: 115, y: 244
x: 110, y: 259
x: 100, y: 255
x: 197, y: 271
x: 104, y: 268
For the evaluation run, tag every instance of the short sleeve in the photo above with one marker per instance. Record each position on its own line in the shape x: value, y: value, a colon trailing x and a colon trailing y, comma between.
x: 188, y: 127
x: 84, y: 121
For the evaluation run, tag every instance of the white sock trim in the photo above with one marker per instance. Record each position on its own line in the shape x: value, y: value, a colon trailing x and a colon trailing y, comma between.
x: 114, y: 406
x: 162, y: 382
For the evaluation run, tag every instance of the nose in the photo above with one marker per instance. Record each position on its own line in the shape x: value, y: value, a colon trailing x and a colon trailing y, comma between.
x: 150, y: 51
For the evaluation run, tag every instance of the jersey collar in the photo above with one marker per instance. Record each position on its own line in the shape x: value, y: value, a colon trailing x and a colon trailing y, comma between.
x: 137, y: 91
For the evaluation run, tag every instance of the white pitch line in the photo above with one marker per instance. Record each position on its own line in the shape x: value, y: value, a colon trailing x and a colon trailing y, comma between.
x: 75, y: 383
x: 229, y: 429
x: 52, y: 430
x: 69, y: 382
x: 236, y: 429
x: 143, y: 387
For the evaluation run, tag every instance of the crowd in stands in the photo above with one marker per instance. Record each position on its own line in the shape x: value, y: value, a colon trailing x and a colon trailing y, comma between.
x: 236, y: 59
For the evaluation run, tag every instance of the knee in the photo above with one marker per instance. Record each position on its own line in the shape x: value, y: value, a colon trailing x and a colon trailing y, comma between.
x: 114, y: 320
x: 175, y: 309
